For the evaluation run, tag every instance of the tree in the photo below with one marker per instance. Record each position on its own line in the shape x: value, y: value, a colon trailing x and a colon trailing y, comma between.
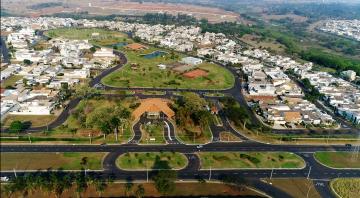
x: 100, y: 186
x: 93, y: 49
x: 128, y: 185
x: 16, y: 126
x: 84, y: 91
x: 27, y: 61
x: 165, y: 181
x: 140, y: 191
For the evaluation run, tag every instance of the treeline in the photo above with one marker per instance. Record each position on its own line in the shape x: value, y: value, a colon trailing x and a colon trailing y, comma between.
x: 227, y: 28
x: 337, y: 62
x: 316, y: 11
x: 83, y: 15
x: 40, y: 6
x: 168, y: 19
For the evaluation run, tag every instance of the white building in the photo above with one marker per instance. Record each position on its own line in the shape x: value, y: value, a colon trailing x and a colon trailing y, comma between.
x: 191, y: 61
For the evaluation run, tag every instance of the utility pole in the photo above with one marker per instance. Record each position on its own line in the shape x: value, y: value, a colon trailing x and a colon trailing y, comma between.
x: 272, y: 171
x: 309, y: 173
x: 210, y: 174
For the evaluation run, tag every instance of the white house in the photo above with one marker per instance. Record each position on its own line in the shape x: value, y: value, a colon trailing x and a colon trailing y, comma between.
x: 191, y: 60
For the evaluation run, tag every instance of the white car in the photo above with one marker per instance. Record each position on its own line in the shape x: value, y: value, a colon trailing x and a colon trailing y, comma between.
x: 4, y: 179
x: 199, y: 146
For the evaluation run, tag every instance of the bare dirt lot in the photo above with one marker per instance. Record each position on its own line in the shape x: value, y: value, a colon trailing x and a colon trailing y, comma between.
x: 120, y: 7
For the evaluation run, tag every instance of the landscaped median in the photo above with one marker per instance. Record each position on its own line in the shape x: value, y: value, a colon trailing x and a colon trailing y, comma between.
x: 250, y: 160
x: 151, y: 160
x: 346, y: 187
x: 51, y: 160
x: 340, y: 160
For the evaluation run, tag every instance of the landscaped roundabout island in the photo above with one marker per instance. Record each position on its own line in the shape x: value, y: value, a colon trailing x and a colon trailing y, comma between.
x: 151, y: 160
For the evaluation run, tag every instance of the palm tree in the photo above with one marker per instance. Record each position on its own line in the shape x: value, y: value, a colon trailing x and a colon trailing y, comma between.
x: 100, y: 186
x: 140, y: 191
x: 128, y: 186
x: 115, y: 123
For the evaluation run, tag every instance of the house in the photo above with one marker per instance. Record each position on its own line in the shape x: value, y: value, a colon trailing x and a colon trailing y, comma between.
x: 191, y: 61
x: 292, y: 116
x: 104, y: 52
x: 349, y: 75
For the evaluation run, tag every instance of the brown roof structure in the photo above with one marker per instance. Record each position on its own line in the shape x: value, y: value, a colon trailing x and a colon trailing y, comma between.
x: 153, y: 105
x: 292, y: 116
x: 136, y: 46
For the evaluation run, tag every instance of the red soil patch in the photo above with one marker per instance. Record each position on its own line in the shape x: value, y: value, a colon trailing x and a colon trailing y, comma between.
x: 195, y: 73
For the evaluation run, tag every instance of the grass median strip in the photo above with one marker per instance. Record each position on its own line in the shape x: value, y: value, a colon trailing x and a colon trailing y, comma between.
x: 43, y: 161
x: 151, y: 160
x: 346, y: 187
x: 243, y: 160
x: 339, y: 159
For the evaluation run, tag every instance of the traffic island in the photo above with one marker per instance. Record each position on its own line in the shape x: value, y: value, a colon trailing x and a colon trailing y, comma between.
x: 250, y: 160
x: 345, y: 187
x: 139, y: 161
x: 339, y: 160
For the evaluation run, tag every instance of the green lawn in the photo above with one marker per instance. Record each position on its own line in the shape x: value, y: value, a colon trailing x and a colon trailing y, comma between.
x: 188, y: 138
x: 346, y: 187
x: 149, y: 75
x: 36, y: 120
x: 339, y: 159
x: 152, y: 133
x: 35, y: 161
x: 141, y: 161
x: 11, y: 81
x: 105, y: 38
x: 219, y: 160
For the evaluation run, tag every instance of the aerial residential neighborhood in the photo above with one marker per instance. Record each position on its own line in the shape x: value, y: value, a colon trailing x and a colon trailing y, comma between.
x: 95, y: 103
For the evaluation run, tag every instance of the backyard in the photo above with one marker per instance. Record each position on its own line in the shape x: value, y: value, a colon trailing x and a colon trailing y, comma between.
x: 339, y: 159
x: 43, y: 161
x: 239, y: 160
x: 151, y: 160
x: 144, y: 72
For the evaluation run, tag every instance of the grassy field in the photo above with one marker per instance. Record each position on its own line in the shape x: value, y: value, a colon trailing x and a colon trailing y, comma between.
x: 36, y: 120
x: 152, y: 131
x: 228, y: 137
x: 182, y: 189
x: 204, y: 138
x: 141, y: 161
x: 148, y: 74
x: 296, y: 188
x: 346, y: 187
x: 105, y: 38
x: 219, y: 160
x: 35, y: 161
x: 339, y: 159
x: 10, y: 81
x: 90, y: 106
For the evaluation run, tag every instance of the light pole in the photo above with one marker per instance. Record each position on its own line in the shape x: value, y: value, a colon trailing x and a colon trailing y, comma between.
x: 15, y: 172
x: 272, y: 170
x: 309, y: 173
x: 210, y: 174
